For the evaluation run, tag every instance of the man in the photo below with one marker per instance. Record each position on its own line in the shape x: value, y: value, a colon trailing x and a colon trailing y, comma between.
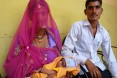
x: 85, y: 38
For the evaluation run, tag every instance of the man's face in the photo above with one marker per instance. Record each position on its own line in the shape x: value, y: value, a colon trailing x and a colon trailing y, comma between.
x: 93, y: 11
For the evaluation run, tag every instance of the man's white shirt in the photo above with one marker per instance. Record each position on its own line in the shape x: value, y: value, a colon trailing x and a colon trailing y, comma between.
x: 82, y: 45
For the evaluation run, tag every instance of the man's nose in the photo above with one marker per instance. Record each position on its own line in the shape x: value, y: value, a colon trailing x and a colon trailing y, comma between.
x: 94, y: 9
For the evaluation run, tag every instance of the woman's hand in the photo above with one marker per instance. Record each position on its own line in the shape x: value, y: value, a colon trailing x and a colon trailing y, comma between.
x: 37, y: 71
x: 50, y: 75
x: 93, y: 70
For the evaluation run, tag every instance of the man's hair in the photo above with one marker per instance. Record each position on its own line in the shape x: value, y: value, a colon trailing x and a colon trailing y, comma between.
x: 88, y: 1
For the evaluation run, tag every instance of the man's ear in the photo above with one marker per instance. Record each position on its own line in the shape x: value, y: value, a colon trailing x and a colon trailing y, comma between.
x: 85, y: 11
x: 102, y: 10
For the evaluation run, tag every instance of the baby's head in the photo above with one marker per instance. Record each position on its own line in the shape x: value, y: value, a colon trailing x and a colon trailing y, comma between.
x: 67, y: 62
x: 61, y: 63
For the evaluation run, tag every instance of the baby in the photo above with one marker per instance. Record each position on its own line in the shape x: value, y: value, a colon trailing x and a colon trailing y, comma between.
x: 59, y: 68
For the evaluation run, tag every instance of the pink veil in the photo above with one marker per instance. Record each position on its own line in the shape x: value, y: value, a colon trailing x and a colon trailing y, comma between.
x: 23, y: 58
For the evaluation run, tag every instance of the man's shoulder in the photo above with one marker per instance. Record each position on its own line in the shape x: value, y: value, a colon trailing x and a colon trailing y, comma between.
x: 77, y: 23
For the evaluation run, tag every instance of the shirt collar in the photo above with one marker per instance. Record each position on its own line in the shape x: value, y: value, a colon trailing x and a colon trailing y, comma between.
x: 86, y: 23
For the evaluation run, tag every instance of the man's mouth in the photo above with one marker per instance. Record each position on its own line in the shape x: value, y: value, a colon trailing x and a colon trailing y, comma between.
x: 93, y: 15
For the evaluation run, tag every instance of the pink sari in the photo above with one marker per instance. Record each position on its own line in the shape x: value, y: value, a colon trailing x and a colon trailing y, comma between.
x: 23, y: 56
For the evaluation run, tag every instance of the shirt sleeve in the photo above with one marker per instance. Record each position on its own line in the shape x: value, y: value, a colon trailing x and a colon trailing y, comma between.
x: 109, y: 55
x: 68, y: 47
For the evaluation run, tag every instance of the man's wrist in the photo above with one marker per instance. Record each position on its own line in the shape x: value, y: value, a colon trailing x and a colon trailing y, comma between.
x: 87, y: 62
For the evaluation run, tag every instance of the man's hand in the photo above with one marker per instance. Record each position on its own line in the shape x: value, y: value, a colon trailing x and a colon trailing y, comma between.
x: 93, y: 70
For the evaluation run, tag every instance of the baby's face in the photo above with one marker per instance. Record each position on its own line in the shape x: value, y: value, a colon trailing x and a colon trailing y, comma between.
x: 61, y: 63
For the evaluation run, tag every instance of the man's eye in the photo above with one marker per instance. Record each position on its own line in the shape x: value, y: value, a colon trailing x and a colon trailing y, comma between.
x: 97, y: 7
x: 94, y: 7
x: 90, y: 7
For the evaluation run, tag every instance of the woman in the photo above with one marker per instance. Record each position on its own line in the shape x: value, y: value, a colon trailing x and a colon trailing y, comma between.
x: 36, y: 42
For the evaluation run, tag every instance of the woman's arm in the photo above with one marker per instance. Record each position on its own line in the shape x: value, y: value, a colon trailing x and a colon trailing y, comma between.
x: 46, y: 71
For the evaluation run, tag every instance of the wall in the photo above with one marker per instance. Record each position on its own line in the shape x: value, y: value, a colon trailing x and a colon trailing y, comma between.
x: 65, y: 12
